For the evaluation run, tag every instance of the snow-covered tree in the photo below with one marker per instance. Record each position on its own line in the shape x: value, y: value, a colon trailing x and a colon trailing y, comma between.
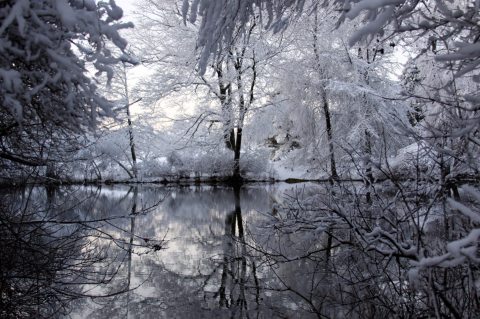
x: 332, y: 96
x: 450, y: 19
x: 431, y: 228
x: 225, y: 95
x: 49, y: 49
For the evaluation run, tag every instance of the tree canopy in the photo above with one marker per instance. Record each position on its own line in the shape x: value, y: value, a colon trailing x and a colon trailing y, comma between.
x: 49, y: 50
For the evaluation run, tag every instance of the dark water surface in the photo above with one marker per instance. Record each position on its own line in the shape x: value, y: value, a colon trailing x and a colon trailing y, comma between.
x: 148, y: 252
x: 262, y: 251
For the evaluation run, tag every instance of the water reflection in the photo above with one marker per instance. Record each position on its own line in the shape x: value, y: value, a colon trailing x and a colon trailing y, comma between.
x: 206, y: 269
x: 211, y: 252
x: 134, y: 252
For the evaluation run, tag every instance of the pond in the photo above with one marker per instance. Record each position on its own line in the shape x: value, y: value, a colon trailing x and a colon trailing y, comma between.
x: 141, y: 252
x: 260, y: 251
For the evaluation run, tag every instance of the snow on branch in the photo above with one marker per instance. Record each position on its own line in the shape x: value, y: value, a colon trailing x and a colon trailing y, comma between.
x: 220, y: 19
x: 460, y: 250
x: 46, y: 49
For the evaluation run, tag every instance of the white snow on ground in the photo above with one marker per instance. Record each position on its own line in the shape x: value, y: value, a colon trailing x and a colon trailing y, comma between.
x: 282, y: 171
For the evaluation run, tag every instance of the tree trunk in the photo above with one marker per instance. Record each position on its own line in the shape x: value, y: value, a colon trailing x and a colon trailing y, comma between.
x: 132, y: 144
x: 368, y: 165
x: 328, y: 124
x: 50, y: 172
x: 368, y: 136
x: 225, y: 102
x: 236, y: 159
x: 130, y: 247
x: 242, y: 109
x: 326, y: 107
x: 130, y: 126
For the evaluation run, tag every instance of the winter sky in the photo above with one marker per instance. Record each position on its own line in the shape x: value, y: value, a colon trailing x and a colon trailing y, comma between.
x: 127, y: 6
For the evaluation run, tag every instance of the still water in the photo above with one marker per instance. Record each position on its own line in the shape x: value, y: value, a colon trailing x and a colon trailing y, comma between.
x: 261, y: 251
x: 152, y: 252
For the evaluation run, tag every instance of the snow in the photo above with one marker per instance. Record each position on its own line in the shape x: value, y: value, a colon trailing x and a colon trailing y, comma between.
x: 116, y: 12
x: 474, y: 216
x: 284, y: 136
x: 16, y: 13
x: 358, y: 7
x: 374, y: 26
x: 67, y: 15
x: 459, y: 247
x: 11, y: 79
x: 282, y: 170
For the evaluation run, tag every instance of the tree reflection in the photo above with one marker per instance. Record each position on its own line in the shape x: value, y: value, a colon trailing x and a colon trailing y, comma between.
x: 231, y: 253
x: 56, y: 248
x: 372, y: 260
x: 130, y: 246
x: 234, y: 268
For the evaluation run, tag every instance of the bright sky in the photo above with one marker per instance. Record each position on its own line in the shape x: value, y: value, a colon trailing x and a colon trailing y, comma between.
x: 126, y: 5
x: 139, y: 72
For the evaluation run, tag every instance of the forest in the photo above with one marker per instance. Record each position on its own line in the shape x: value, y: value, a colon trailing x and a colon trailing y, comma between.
x: 240, y: 159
